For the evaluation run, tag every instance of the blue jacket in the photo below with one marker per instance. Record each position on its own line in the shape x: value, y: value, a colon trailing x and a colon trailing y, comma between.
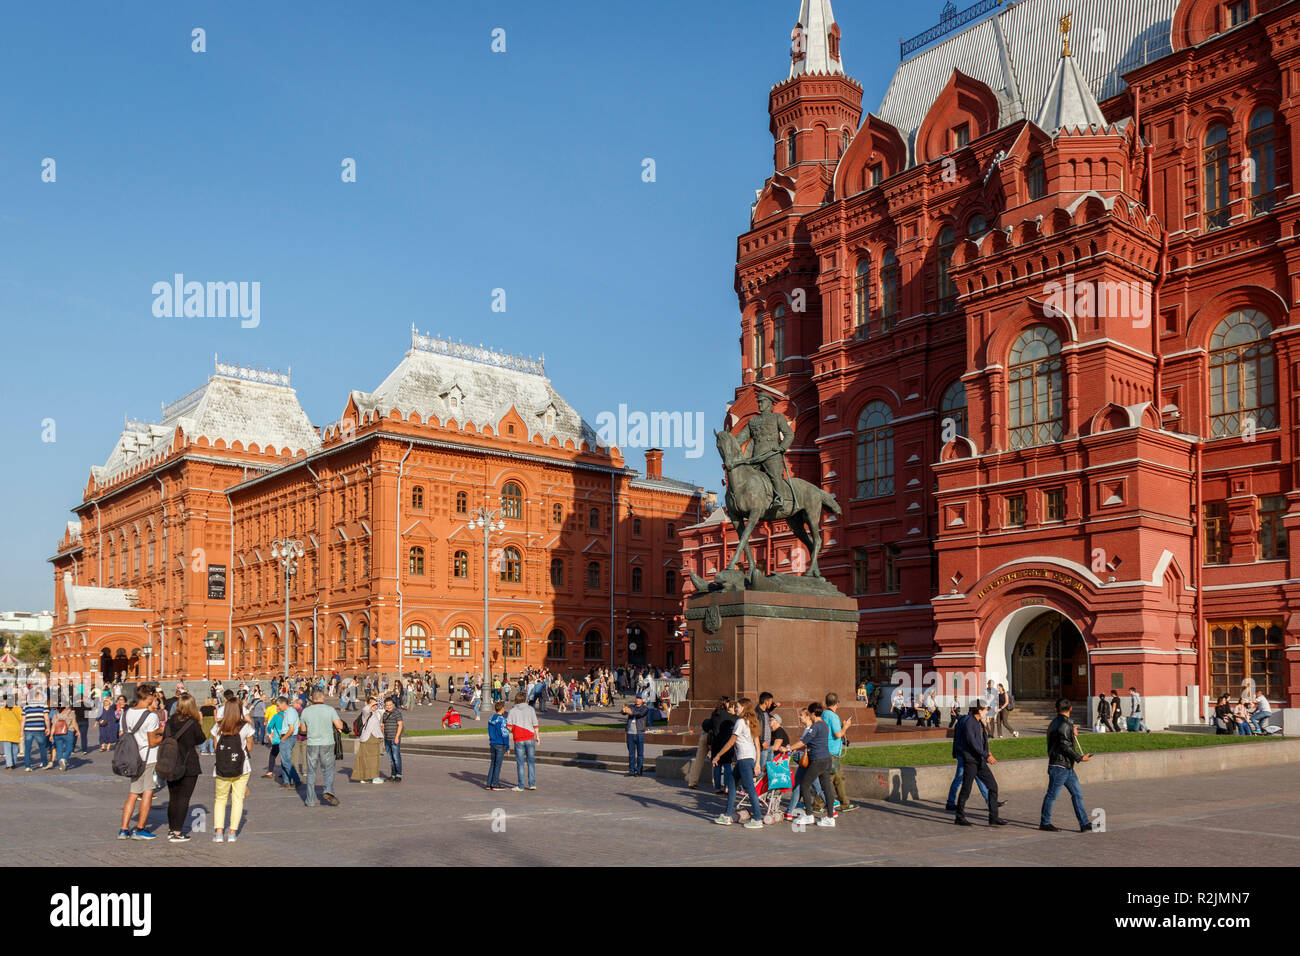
x: 636, y: 718
x: 970, y: 740
x: 497, y: 732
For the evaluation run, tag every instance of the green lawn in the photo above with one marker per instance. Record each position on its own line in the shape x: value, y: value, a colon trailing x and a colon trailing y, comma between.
x: 940, y: 751
x: 482, y: 729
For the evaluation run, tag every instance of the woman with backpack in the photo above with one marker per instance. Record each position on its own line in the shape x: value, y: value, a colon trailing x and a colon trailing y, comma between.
x: 370, y: 745
x: 178, y: 764
x: 232, y: 767
x: 64, y: 733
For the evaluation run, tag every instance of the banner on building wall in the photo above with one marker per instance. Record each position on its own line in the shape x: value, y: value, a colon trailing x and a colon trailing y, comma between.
x: 215, y: 642
x: 216, y: 582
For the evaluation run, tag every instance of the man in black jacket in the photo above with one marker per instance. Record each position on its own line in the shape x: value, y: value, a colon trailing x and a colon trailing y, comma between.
x: 1061, y: 758
x: 636, y: 719
x: 976, y: 760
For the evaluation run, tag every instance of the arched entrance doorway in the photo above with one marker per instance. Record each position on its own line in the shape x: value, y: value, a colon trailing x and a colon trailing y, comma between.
x: 1049, y: 659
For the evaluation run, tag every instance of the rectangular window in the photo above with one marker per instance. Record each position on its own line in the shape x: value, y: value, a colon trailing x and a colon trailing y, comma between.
x: 1016, y: 511
x: 1216, y: 532
x: 861, y: 567
x: 514, y: 645
x: 1272, y: 535
x: 961, y: 136
x: 458, y: 648
x: 1238, y: 13
x: 891, y: 568
x: 410, y: 645
x: 1246, y: 658
x: 877, y: 174
x: 1054, y: 502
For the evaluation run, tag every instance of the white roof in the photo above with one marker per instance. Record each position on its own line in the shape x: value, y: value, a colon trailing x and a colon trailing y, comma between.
x: 475, y: 386
x: 231, y: 406
x: 815, y: 21
x: 82, y: 598
x: 1016, y: 53
x: 1069, y: 104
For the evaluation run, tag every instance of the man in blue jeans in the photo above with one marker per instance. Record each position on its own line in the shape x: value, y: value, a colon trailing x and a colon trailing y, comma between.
x: 522, y: 722
x: 393, y: 726
x: 1061, y: 758
x: 321, y: 721
x: 288, y: 714
x: 636, y: 718
x: 36, y: 730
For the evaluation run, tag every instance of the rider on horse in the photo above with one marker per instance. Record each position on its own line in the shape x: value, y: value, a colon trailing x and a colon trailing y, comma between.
x: 769, y: 435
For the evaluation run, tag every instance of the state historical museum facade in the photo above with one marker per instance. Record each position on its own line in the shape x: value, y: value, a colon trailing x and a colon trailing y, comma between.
x: 168, y: 570
x: 1033, y: 325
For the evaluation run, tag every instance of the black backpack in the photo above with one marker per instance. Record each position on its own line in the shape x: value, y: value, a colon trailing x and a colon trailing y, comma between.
x: 127, y: 761
x: 171, y: 762
x: 230, y: 756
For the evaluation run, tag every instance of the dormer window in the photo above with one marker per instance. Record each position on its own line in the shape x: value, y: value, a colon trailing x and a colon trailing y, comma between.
x: 961, y: 136
x: 1238, y: 13
x: 877, y: 174
x: 454, y: 397
x: 549, y: 416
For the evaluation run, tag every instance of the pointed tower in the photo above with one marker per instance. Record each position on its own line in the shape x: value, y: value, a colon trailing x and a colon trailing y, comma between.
x: 1069, y: 103
x: 816, y: 110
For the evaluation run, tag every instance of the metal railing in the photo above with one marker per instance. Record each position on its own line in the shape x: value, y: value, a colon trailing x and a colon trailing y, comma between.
x: 950, y: 20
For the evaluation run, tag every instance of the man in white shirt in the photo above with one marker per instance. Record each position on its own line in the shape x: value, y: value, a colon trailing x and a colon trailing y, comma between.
x: 522, y: 724
x: 142, y: 721
x: 898, y: 704
x: 1263, y: 711
x: 1135, y: 709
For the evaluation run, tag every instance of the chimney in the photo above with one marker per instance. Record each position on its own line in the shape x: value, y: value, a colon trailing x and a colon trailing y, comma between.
x: 654, y: 463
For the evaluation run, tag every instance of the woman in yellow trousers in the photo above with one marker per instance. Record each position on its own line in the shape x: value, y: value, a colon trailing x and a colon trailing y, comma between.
x: 233, y: 736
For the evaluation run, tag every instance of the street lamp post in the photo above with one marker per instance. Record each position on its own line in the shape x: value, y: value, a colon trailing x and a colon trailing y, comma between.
x: 489, y: 519
x: 288, y: 551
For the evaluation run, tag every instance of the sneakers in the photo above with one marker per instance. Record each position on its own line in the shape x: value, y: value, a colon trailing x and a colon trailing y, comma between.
x: 124, y: 834
x: 178, y: 838
x: 138, y: 834
x: 231, y: 838
x: 722, y: 820
x: 1015, y: 733
x: 218, y: 837
x: 752, y: 824
x: 804, y: 820
x: 63, y: 765
x: 532, y: 788
x: 851, y: 806
x: 516, y: 789
x: 329, y: 798
x: 378, y: 780
x: 826, y: 822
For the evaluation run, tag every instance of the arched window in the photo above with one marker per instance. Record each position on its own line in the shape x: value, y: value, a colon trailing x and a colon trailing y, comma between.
x: 460, y: 564
x: 947, y: 289
x: 593, y: 519
x: 875, y: 451
x: 135, y: 554
x: 670, y: 582
x: 341, y: 641
x: 976, y: 227
x: 364, y: 642
x: 952, y: 412
x: 593, y: 646
x: 416, y: 561
x: 462, y: 503
x: 557, y: 514
x: 593, y: 575
x: 557, y: 572
x: 417, y: 498
x: 844, y: 141
x: 862, y: 296
x: 636, y: 580
x: 258, y: 652
x: 109, y: 573
x: 555, y: 645
x: 760, y: 346
x: 1034, y: 400
x: 511, y: 566
x: 415, y: 639
x: 1036, y: 178
x: 1215, y: 161
x: 636, y: 527
x: 512, y: 500
x: 1261, y: 168
x: 512, y: 643
x: 778, y: 339
x: 790, y: 158
x: 458, y: 644
x: 888, y: 289
x: 1243, y: 375
x: 148, y: 555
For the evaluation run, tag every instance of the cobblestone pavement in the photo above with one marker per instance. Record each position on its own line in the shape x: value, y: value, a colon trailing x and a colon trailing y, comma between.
x: 440, y: 815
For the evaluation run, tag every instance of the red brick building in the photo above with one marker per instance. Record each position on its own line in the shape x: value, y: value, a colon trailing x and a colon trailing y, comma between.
x: 169, y: 570
x: 1032, y: 319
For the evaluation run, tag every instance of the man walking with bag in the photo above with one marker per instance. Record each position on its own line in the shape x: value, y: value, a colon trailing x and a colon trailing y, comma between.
x: 1061, y: 758
x: 976, y: 761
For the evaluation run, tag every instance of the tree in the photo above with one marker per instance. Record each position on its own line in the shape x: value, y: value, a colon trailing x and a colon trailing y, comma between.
x: 33, y: 647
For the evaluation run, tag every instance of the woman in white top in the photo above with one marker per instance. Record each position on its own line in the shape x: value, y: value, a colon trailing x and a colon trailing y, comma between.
x: 743, y: 735
x: 366, y: 769
x: 231, y: 786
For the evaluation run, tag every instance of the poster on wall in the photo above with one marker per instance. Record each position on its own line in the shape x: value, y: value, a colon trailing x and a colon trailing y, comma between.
x: 215, y: 642
x: 216, y: 582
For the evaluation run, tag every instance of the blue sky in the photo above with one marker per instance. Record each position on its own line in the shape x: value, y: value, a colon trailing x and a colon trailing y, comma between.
x: 475, y: 171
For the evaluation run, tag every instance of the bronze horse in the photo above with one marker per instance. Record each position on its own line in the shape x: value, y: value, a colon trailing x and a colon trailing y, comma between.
x: 750, y: 500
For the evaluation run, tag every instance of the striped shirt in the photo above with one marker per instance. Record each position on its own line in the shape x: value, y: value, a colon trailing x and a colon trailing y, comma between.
x: 34, y: 717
